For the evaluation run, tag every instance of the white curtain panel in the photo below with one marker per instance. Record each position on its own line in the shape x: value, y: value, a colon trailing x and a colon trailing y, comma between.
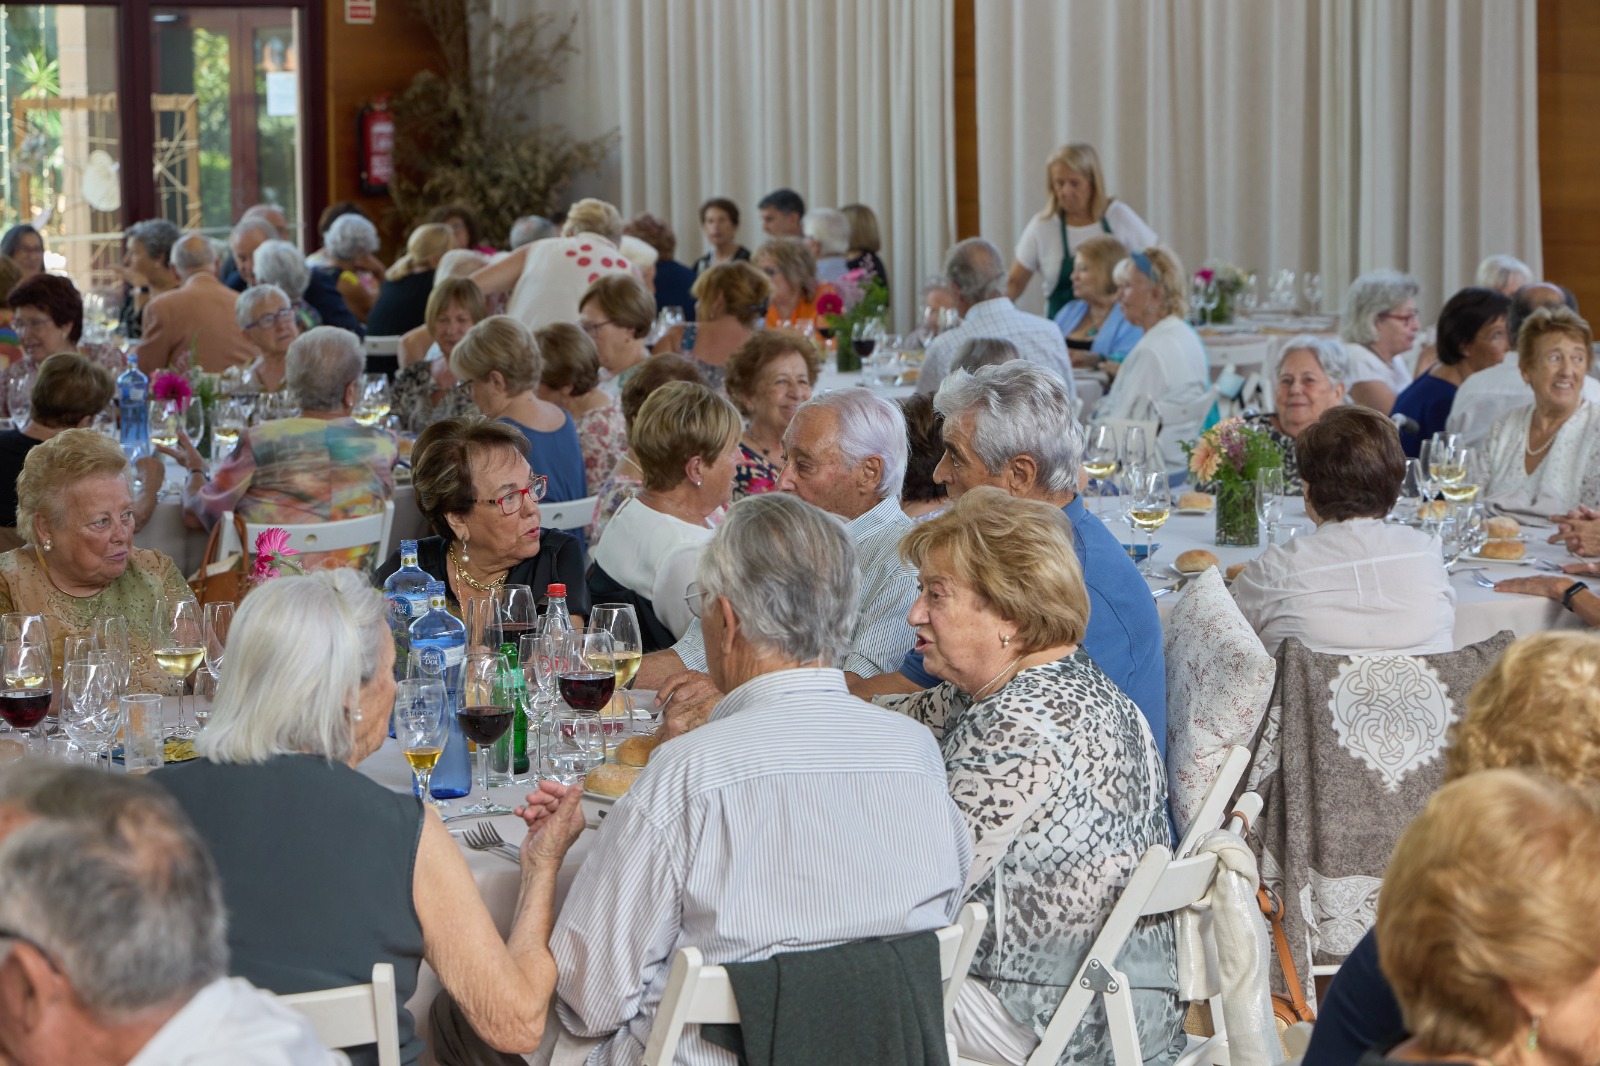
x: 844, y: 101
x: 1334, y: 136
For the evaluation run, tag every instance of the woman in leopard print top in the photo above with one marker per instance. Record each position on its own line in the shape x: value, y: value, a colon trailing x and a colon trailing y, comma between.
x: 1053, y: 767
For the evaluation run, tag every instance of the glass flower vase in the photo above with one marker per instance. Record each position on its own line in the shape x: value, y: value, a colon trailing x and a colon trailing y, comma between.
x: 1236, y: 513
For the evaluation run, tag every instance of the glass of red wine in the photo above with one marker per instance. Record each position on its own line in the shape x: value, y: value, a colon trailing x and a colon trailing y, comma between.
x: 25, y: 699
x: 587, y: 680
x: 486, y: 713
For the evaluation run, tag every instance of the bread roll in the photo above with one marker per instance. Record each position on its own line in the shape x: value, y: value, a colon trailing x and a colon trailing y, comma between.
x: 1235, y: 570
x: 610, y: 779
x: 635, y: 751
x: 1196, y: 501
x: 1194, y: 560
x: 1502, y: 549
x: 1503, y: 527
x: 1433, y: 509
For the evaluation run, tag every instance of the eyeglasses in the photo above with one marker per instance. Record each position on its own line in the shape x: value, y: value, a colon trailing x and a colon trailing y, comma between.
x: 7, y: 934
x: 692, y: 598
x: 593, y: 328
x: 770, y: 272
x: 511, y: 502
x: 21, y: 322
x: 270, y: 320
x: 1400, y: 316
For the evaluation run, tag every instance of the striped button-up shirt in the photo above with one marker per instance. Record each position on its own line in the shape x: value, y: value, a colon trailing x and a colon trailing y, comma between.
x: 798, y: 817
x: 888, y: 588
x: 1037, y: 340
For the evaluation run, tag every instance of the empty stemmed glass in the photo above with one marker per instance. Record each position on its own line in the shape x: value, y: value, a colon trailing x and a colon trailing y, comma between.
x: 111, y: 633
x: 421, y: 727
x: 88, y: 710
x: 1269, y: 498
x: 178, y: 643
x: 1311, y: 285
x: 486, y: 713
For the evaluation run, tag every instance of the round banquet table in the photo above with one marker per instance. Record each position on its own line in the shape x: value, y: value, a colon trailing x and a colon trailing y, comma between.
x: 1480, y: 612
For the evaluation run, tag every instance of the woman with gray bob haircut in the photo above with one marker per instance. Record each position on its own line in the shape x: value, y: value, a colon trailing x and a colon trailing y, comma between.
x: 979, y: 352
x: 1310, y: 378
x: 373, y: 875
x: 280, y: 263
x: 324, y: 364
x: 1378, y: 326
x: 785, y: 572
x: 869, y: 425
x: 1017, y: 409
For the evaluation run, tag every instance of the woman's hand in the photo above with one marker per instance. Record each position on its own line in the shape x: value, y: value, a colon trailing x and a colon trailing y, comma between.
x: 542, y: 804
x: 186, y: 453
x: 1550, y: 587
x: 1579, y: 532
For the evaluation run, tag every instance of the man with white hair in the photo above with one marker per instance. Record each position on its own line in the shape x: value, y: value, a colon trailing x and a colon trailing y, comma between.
x: 1010, y: 426
x: 112, y: 944
x: 791, y: 773
x: 530, y: 228
x: 827, y: 234
x: 194, y: 323
x: 319, y: 467
x: 846, y: 453
x: 977, y: 273
x: 317, y: 291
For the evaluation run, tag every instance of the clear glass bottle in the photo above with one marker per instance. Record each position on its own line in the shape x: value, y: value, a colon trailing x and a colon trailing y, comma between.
x: 438, y: 649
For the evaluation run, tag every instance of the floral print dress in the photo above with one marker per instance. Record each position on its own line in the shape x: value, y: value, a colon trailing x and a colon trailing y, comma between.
x: 603, y: 439
x: 753, y: 473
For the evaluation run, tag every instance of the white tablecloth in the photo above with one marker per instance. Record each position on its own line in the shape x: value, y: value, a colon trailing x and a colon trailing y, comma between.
x: 1090, y: 386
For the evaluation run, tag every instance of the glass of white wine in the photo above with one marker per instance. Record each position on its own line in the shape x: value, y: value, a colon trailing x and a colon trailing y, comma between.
x: 622, y: 622
x: 420, y: 725
x: 227, y: 427
x: 1149, y: 509
x: 1462, y: 487
x: 178, y: 643
x: 166, y: 418
x: 1100, y: 460
x: 374, y: 402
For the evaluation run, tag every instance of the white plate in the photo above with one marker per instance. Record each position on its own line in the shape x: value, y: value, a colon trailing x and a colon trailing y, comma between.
x: 1194, y: 510
x: 1526, y: 560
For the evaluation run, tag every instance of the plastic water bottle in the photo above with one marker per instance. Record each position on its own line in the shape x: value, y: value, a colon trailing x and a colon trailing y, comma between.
x: 556, y: 616
x: 438, y: 649
x: 133, y: 405
x: 407, y: 593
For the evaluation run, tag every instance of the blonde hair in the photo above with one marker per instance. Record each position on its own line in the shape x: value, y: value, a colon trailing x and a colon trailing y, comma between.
x: 593, y: 216
x: 751, y: 358
x: 53, y: 467
x: 679, y: 421
x: 624, y: 300
x: 1538, y: 707
x: 424, y: 248
x: 792, y: 259
x: 864, y: 236
x: 1017, y: 556
x: 1083, y: 161
x: 1546, y: 321
x: 569, y: 358
x: 1169, y: 279
x: 1489, y: 890
x: 737, y: 288
x: 462, y: 291
x: 499, y: 344
x: 459, y: 263
x: 1100, y: 256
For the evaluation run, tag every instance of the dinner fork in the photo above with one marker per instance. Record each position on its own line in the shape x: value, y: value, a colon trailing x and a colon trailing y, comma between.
x: 1480, y: 579
x: 485, y: 837
x: 1553, y: 567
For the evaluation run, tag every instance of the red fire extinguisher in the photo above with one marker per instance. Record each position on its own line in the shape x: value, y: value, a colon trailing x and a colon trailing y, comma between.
x: 375, y: 143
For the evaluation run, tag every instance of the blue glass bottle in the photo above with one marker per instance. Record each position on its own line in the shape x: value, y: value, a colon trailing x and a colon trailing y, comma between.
x: 133, y: 407
x: 407, y: 593
x: 439, y: 647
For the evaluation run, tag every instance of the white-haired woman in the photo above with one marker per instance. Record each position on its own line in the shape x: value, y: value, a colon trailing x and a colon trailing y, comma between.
x: 546, y: 279
x: 1079, y: 208
x: 1167, y: 374
x: 325, y: 871
x: 280, y: 263
x: 1379, y: 326
x: 268, y: 318
x: 1311, y: 379
x: 350, y: 249
x: 1504, y: 274
x: 827, y: 234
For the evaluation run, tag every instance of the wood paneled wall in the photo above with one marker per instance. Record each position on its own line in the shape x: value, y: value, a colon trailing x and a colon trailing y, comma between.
x: 965, y: 75
x: 1569, y: 146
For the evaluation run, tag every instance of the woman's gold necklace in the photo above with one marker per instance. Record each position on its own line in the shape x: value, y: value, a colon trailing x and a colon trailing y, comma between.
x: 461, y: 572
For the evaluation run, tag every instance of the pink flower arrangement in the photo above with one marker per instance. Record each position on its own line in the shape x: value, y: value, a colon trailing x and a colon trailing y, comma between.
x: 1232, y: 450
x: 830, y: 303
x: 272, y: 552
x: 169, y: 386
x: 1205, y: 274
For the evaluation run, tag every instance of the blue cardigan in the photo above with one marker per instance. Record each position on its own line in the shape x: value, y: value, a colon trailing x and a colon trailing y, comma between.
x: 1117, y: 335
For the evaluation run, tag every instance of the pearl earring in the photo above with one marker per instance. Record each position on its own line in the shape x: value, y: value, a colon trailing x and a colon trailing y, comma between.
x: 47, y: 545
x: 1005, y: 641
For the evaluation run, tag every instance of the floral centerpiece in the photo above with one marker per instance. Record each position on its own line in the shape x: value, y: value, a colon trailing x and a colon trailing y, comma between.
x: 272, y: 556
x: 1227, y: 458
x: 857, y: 297
x: 1229, y: 282
x: 170, y: 386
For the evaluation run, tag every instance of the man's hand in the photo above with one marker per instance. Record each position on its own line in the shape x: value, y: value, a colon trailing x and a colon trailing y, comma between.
x: 1551, y: 587
x: 548, y: 841
x: 687, y: 701
x: 542, y: 804
x: 1580, y: 535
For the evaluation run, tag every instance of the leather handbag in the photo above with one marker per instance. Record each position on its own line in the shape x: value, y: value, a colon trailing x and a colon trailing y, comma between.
x: 219, y: 581
x: 1291, y: 1008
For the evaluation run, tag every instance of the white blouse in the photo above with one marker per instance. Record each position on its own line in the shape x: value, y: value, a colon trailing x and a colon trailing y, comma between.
x: 655, y: 555
x: 1365, y: 365
x: 1039, y: 248
x: 1569, y: 473
x: 1164, y: 379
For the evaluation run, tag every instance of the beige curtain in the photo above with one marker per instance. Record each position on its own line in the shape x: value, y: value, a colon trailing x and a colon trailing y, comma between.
x: 1327, y: 135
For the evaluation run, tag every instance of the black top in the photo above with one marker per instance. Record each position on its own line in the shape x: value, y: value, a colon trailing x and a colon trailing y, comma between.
x: 317, y: 864
x: 1380, y: 1056
x: 14, y: 448
x: 869, y: 262
x: 1359, y: 1010
x: 402, y: 305
x: 703, y: 264
x: 560, y: 561
x: 672, y: 286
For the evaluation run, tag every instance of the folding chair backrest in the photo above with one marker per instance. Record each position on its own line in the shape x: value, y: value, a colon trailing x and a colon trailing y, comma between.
x: 568, y: 514
x: 1209, y: 815
x: 356, y: 1015
x: 373, y: 529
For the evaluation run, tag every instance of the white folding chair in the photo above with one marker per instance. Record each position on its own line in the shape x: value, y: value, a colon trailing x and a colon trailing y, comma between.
x: 373, y: 529
x: 1209, y: 815
x: 381, y: 345
x: 698, y: 994
x: 356, y: 1015
x: 568, y: 514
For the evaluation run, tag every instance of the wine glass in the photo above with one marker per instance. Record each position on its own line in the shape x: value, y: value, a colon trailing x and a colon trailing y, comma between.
x: 1250, y: 295
x: 217, y: 621
x: 166, y: 418
x: 420, y: 726
x: 587, y: 678
x: 1269, y: 498
x: 1311, y: 285
x: 1135, y: 447
x: 19, y: 399
x: 864, y: 338
x: 78, y: 646
x: 1411, y: 488
x: 373, y: 402
x: 1149, y: 509
x: 516, y: 614
x: 194, y: 420
x: 231, y: 419
x: 112, y: 634
x: 1461, y: 465
x: 622, y: 622
x: 25, y: 700
x: 485, y: 716
x: 178, y: 642
x: 1100, y: 459
x: 86, y: 711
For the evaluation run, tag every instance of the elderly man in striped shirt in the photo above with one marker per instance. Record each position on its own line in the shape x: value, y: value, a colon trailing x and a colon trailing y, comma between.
x: 845, y: 452
x: 798, y: 817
